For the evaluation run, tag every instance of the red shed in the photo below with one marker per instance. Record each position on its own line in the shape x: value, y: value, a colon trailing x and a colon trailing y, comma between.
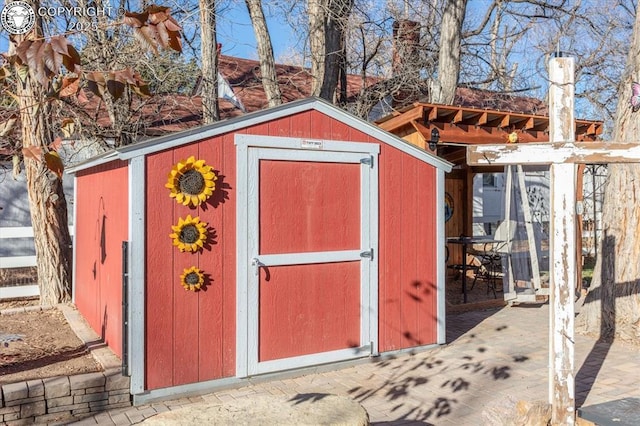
x: 291, y: 237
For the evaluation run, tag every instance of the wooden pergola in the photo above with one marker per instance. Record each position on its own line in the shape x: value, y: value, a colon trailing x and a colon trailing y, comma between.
x: 459, y: 127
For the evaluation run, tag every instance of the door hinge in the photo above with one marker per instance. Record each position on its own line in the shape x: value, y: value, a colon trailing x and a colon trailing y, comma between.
x: 367, y: 254
x: 367, y: 160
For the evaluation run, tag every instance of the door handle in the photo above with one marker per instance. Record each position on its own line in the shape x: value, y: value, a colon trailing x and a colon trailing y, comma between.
x: 255, y: 262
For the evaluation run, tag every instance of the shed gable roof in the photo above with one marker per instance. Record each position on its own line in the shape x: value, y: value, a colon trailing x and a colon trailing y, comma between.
x: 203, y: 132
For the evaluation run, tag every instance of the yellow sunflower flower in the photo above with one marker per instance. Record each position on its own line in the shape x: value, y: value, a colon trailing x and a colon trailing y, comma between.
x: 190, y: 234
x: 191, y: 181
x: 192, y: 279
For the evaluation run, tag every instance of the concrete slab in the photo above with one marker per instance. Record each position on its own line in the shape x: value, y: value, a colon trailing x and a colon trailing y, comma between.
x: 621, y: 412
x: 302, y: 409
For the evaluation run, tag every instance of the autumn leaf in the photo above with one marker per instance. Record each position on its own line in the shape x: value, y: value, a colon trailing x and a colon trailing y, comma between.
x: 156, y: 17
x: 155, y: 28
x: 141, y: 90
x: 21, y: 50
x: 35, y: 62
x: 146, y: 35
x: 96, y: 83
x: 155, y: 9
x: 127, y: 75
x: 32, y: 54
x: 60, y: 45
x: 163, y: 34
x: 33, y: 152
x: 115, y: 87
x: 134, y: 19
x: 175, y: 42
x: 72, y: 61
x: 57, y: 142
x: 172, y: 25
x: 54, y: 163
x: 52, y: 59
x: 70, y: 86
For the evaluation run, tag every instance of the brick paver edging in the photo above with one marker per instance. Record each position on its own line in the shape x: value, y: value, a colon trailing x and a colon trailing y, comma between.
x: 64, y: 397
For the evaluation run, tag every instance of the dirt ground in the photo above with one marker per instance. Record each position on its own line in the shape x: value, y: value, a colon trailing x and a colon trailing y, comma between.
x: 48, y: 347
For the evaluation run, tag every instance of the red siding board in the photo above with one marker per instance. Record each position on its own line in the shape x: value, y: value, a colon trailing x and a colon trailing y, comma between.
x: 228, y: 248
x: 185, y: 303
x: 160, y: 280
x: 408, y: 254
x: 390, y: 249
x: 322, y: 127
x: 427, y: 244
x: 210, y: 322
x: 258, y: 129
x: 340, y: 131
x: 101, y: 226
x: 300, y: 124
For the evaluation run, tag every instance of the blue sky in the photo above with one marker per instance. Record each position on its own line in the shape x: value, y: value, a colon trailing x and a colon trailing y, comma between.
x: 234, y: 32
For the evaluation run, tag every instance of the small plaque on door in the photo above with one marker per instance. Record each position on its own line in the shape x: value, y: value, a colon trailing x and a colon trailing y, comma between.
x: 311, y: 144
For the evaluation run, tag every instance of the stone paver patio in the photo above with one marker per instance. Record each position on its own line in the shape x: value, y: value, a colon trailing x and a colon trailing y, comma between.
x: 493, y: 357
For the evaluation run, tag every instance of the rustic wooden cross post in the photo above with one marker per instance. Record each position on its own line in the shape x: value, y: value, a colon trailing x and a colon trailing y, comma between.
x: 562, y: 154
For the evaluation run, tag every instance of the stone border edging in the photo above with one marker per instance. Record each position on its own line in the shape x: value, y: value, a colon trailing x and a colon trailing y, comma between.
x: 61, y: 398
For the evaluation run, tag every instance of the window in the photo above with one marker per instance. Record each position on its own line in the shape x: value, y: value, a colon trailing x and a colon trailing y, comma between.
x: 488, y: 179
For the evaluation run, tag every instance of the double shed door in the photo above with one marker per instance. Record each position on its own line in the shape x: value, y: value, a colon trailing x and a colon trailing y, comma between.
x: 309, y: 273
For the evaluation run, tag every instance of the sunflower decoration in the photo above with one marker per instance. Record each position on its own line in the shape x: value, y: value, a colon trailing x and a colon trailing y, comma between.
x: 189, y: 234
x: 192, y: 279
x: 191, y: 181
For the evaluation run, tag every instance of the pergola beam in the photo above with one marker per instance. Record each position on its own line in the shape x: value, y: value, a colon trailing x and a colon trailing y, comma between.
x: 554, y: 153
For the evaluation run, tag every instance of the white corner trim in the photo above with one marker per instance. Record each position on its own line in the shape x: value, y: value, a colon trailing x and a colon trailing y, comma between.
x: 242, y: 241
x: 74, y: 241
x: 136, y: 346
x: 441, y: 313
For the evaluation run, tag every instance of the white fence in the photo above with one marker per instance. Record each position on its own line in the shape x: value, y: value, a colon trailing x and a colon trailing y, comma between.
x: 9, y: 262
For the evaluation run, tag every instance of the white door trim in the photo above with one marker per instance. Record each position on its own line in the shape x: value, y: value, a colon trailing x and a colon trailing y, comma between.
x: 250, y: 150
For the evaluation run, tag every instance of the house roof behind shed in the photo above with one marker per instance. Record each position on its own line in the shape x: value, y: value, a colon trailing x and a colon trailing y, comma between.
x: 181, y: 138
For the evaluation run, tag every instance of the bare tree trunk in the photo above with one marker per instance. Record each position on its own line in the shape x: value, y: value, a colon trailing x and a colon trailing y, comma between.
x: 47, y: 203
x: 317, y: 15
x: 209, y: 58
x: 265, y: 53
x: 444, y: 89
x: 327, y: 22
x: 335, y: 49
x: 612, y: 306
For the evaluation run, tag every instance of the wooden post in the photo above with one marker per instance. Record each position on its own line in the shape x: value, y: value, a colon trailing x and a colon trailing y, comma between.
x: 563, y: 243
x: 579, y: 231
x: 528, y: 226
x: 507, y: 216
